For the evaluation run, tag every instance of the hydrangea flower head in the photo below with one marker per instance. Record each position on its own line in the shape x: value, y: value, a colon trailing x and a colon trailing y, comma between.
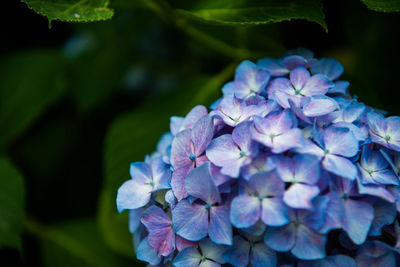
x: 286, y: 169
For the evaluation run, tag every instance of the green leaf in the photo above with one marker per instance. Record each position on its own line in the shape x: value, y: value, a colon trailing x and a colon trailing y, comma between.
x: 383, y: 5
x: 134, y: 135
x: 11, y: 204
x: 29, y: 83
x: 72, y: 10
x: 255, y: 12
x: 74, y: 243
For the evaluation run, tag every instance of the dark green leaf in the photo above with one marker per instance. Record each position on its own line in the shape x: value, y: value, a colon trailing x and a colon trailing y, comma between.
x: 255, y: 12
x: 30, y: 82
x: 383, y: 5
x: 72, y: 10
x: 11, y: 204
x: 75, y: 243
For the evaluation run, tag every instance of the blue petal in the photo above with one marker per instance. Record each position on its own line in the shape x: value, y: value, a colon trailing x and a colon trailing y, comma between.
x: 340, y: 166
x: 245, y: 211
x: 310, y: 245
x: 212, y: 251
x: 281, y: 238
x: 220, y: 228
x: 134, y: 219
x: 385, y: 214
x: 262, y: 256
x: 328, y: 66
x: 190, y: 221
x: 358, y: 216
x: 188, y: 257
x: 238, y: 254
x: 133, y: 194
x: 330, y: 261
x: 147, y: 253
x: 199, y: 184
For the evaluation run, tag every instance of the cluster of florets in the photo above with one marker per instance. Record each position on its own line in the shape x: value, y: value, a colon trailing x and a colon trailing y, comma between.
x: 287, y: 169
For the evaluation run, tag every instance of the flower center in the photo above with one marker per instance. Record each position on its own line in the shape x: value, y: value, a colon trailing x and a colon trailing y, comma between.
x: 192, y: 157
x: 346, y: 195
x: 203, y: 258
x: 296, y: 223
x: 207, y: 206
x: 242, y: 154
x: 387, y: 138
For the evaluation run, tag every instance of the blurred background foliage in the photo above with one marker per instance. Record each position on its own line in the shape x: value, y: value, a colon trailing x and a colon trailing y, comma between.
x: 80, y: 101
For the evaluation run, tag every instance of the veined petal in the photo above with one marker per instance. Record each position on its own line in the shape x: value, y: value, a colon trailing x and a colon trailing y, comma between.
x: 281, y: 238
x: 274, y: 212
x: 299, y: 77
x: 181, y: 149
x: 189, y: 257
x: 241, y: 136
x: 340, y: 141
x: 212, y: 251
x: 202, y: 134
x: 199, y: 184
x: 318, y: 84
x: 358, y: 216
x: 190, y: 220
x: 147, y: 253
x: 262, y: 256
x: 245, y: 211
x: 132, y: 195
x: 140, y: 172
x: 340, y: 166
x: 178, y: 183
x: 220, y: 228
x: 319, y: 105
x: 293, y: 138
x: 309, y: 245
x: 306, y: 168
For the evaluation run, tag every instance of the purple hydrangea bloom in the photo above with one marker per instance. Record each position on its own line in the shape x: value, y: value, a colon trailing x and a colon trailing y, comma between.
x: 287, y: 169
x: 249, y: 80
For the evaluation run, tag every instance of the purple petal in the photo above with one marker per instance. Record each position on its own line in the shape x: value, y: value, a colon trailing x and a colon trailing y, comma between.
x: 220, y: 228
x: 293, y: 61
x: 133, y: 194
x: 190, y: 221
x: 309, y: 245
x: 340, y: 166
x: 334, y: 212
x: 340, y: 141
x: 237, y: 89
x: 147, y: 253
x: 315, y: 218
x: 238, y: 254
x: 260, y: 163
x: 245, y: 211
x: 175, y: 124
x: 293, y: 138
x: 193, y: 116
x: 306, y: 169
x: 182, y: 243
x: 299, y: 77
x: 267, y: 184
x: 178, y: 183
x: 181, y: 150
x: 262, y: 256
x: 376, y: 190
x: 309, y: 147
x: 319, y: 105
x: 281, y: 238
x: 199, y: 184
x: 189, y: 257
x: 328, y: 66
x: 357, y: 219
x: 274, y: 212
x: 224, y: 153
x: 299, y: 196
x: 317, y: 85
x: 161, y: 237
x: 241, y: 135
x: 281, y: 85
x: 250, y: 74
x: 202, y: 134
